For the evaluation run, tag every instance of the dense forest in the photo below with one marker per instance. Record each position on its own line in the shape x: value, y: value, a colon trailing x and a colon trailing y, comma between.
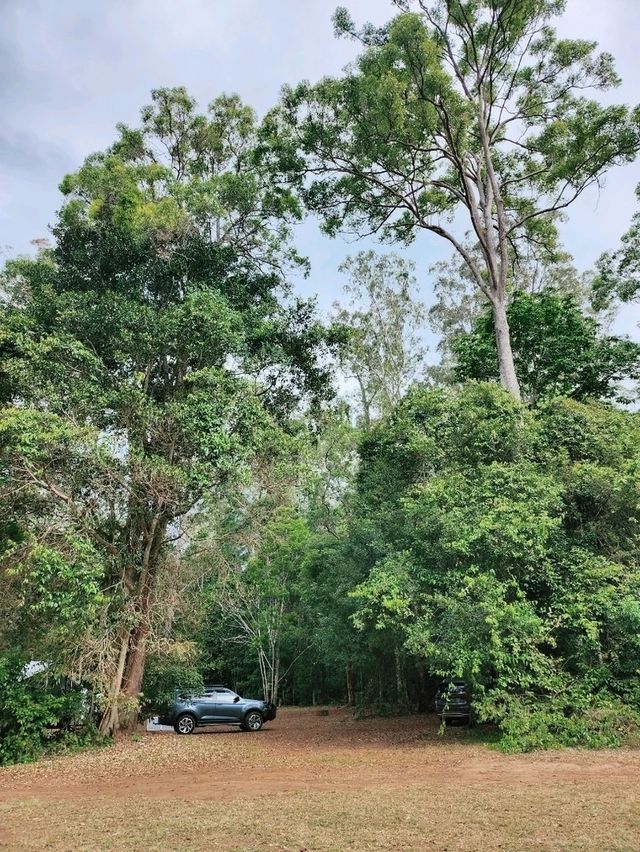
x: 203, y: 479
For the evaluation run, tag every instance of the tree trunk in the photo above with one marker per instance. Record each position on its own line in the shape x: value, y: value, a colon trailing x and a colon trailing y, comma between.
x: 366, y: 404
x: 134, y: 672
x: 127, y: 682
x: 423, y: 697
x: 508, y: 377
x: 401, y: 686
x: 264, y: 676
x: 110, y: 718
x: 276, y: 678
x: 351, y: 696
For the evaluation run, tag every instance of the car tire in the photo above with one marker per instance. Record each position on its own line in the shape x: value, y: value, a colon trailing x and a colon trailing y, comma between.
x: 185, y: 724
x: 253, y: 721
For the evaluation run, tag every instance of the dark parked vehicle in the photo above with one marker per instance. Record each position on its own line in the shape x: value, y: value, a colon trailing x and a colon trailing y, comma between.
x: 216, y: 705
x: 452, y: 701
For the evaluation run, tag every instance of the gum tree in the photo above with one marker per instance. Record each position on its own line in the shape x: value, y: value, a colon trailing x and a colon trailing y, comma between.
x: 457, y: 116
x: 618, y: 271
x: 383, y: 352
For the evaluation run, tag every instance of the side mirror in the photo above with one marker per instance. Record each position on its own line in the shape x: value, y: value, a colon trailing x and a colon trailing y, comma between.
x: 236, y: 699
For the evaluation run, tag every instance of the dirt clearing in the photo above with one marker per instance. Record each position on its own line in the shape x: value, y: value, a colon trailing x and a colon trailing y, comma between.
x: 309, y: 782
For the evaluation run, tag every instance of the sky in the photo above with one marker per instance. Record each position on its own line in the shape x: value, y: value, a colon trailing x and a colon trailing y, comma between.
x: 70, y: 70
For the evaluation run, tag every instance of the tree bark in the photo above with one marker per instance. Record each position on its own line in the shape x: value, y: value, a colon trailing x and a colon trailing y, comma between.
x: 401, y: 687
x: 127, y: 681
x: 351, y: 697
x: 110, y: 718
x: 275, y: 690
x: 423, y: 698
x: 508, y: 377
x: 134, y: 671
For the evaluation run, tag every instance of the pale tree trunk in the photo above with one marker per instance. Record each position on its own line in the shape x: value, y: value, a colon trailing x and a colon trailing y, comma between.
x: 275, y: 676
x: 110, y: 718
x: 365, y: 402
x: 264, y: 676
x: 508, y: 377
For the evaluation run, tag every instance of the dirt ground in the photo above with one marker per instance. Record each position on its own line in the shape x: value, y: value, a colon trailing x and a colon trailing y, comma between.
x: 322, y: 782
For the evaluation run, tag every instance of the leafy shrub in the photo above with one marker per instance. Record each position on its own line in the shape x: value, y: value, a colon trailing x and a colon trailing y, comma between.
x: 162, y: 676
x: 548, y: 724
x: 34, y: 719
x: 506, y: 554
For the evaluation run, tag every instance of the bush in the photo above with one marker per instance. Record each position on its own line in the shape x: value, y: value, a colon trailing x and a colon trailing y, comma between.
x: 162, y: 676
x: 554, y: 724
x: 34, y: 720
x: 507, y: 555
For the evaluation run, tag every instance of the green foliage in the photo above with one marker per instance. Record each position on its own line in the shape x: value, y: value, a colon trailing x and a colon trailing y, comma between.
x: 164, y: 674
x: 382, y: 350
x: 35, y: 719
x: 260, y: 600
x: 458, y: 304
x: 569, y: 722
x: 61, y: 588
x: 155, y: 371
x: 485, y: 631
x: 558, y: 351
x: 618, y: 272
x: 145, y: 359
x: 472, y: 109
x: 507, y: 555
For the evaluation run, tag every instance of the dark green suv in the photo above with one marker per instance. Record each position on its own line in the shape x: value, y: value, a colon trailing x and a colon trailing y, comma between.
x: 216, y: 705
x: 452, y: 701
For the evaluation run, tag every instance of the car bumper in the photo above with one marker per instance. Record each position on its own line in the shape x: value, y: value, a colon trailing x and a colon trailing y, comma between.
x: 453, y: 710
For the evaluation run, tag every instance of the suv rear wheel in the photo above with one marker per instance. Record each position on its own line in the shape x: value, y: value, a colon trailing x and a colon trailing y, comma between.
x: 253, y: 721
x: 185, y: 724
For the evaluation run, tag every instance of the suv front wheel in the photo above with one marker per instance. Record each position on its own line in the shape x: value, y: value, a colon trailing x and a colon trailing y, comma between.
x: 253, y: 721
x: 185, y: 724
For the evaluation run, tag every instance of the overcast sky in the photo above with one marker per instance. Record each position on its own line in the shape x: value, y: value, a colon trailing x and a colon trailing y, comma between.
x: 71, y: 69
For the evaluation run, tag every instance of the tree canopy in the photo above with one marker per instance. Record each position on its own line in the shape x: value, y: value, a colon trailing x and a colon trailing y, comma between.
x: 558, y: 351
x: 144, y: 359
x: 501, y: 551
x: 618, y: 271
x: 473, y: 109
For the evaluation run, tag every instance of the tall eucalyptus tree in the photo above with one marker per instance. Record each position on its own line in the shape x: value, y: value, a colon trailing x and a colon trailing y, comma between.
x: 458, y: 115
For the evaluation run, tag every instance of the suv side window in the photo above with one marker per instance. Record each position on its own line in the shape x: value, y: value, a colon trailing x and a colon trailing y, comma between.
x: 225, y: 696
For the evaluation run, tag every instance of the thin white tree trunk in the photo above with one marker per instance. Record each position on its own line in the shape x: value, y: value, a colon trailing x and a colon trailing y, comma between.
x: 508, y: 377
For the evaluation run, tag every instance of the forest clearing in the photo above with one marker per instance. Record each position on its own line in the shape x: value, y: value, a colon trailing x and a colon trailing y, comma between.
x: 320, y: 410
x: 286, y: 789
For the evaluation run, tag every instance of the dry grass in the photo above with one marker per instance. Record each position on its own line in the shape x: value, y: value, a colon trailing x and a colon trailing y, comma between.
x: 322, y: 783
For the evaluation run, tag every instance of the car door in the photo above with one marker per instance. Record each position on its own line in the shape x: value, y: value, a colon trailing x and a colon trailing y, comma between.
x: 228, y: 708
x: 205, y: 706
